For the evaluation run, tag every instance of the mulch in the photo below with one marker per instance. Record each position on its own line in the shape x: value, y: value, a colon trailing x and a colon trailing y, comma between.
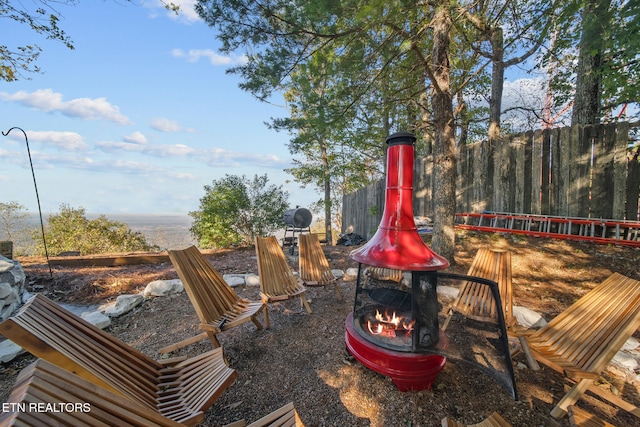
x: 302, y: 357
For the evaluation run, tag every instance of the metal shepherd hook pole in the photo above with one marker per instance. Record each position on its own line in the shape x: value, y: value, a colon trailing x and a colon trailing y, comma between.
x: 44, y: 240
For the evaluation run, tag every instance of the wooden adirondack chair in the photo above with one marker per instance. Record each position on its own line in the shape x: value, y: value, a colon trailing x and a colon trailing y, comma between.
x: 494, y: 420
x: 180, y: 389
x: 83, y: 403
x: 218, y: 307
x: 581, y: 418
x: 313, y: 265
x: 475, y: 300
x: 277, y: 281
x: 581, y: 341
x: 287, y: 416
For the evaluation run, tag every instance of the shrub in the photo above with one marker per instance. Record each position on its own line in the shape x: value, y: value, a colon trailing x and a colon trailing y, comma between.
x: 70, y: 230
x: 234, y: 210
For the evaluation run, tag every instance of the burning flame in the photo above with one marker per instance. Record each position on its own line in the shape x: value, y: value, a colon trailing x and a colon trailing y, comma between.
x: 389, y: 325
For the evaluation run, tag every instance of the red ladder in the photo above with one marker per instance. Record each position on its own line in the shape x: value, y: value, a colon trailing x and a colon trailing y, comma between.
x: 603, y: 231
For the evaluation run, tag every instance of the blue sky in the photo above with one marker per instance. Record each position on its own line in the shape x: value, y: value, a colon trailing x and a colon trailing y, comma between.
x: 137, y: 119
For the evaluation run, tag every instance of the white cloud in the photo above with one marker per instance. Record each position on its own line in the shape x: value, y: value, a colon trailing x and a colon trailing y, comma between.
x: 135, y: 138
x: 84, y: 108
x: 133, y: 167
x: 69, y: 141
x: 113, y: 146
x: 182, y: 175
x: 194, y: 55
x: 215, y: 157
x: 218, y: 157
x: 60, y: 161
x: 175, y: 150
x: 523, y: 92
x: 165, y: 125
x: 186, y: 13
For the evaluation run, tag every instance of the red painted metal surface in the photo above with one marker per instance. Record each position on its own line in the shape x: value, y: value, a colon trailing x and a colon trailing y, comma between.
x: 409, y: 371
x: 397, y: 244
x: 607, y: 232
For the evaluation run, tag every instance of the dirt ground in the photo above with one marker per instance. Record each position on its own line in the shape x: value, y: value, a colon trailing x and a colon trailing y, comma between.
x: 302, y: 357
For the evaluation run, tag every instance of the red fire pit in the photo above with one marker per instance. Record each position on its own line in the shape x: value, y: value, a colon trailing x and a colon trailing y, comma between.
x: 394, y: 328
x: 409, y: 371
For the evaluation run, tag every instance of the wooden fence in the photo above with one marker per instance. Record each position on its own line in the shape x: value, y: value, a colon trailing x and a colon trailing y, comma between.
x: 579, y: 171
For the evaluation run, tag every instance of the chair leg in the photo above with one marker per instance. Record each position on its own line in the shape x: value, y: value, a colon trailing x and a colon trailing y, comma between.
x: 572, y: 396
x: 214, y: 339
x: 256, y: 322
x: 305, y: 304
x: 267, y: 325
x: 447, y: 320
x: 335, y: 284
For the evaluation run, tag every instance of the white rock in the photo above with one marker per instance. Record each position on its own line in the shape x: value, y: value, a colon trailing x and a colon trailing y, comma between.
x: 234, y: 279
x: 9, y: 351
x: 8, y: 310
x: 528, y: 318
x: 5, y: 264
x: 626, y: 361
x: 351, y: 274
x: 96, y: 318
x: 631, y: 344
x: 159, y: 288
x: 26, y: 296
x: 123, y: 304
x: 12, y: 297
x: 337, y: 273
x: 5, y: 290
x: 448, y: 291
x: 252, y: 280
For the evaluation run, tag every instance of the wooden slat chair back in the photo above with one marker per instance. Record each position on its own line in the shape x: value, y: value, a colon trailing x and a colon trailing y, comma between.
x: 475, y: 300
x: 313, y: 265
x: 389, y: 274
x: 217, y: 305
x: 287, y: 416
x: 581, y: 418
x: 181, y: 391
x: 76, y: 402
x: 277, y: 281
x: 581, y: 341
x: 494, y: 420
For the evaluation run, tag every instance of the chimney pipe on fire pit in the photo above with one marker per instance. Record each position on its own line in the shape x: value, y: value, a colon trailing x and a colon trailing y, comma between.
x: 397, y: 244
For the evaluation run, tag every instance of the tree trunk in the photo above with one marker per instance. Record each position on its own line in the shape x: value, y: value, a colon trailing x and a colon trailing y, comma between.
x: 586, y: 102
x: 497, y: 83
x: 444, y: 171
x: 426, y: 117
x: 328, y: 235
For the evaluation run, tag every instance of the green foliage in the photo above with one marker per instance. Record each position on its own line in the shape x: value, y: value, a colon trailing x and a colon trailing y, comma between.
x: 606, y: 29
x: 70, y: 230
x: 12, y: 218
x: 43, y: 20
x: 234, y: 210
x: 14, y: 227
